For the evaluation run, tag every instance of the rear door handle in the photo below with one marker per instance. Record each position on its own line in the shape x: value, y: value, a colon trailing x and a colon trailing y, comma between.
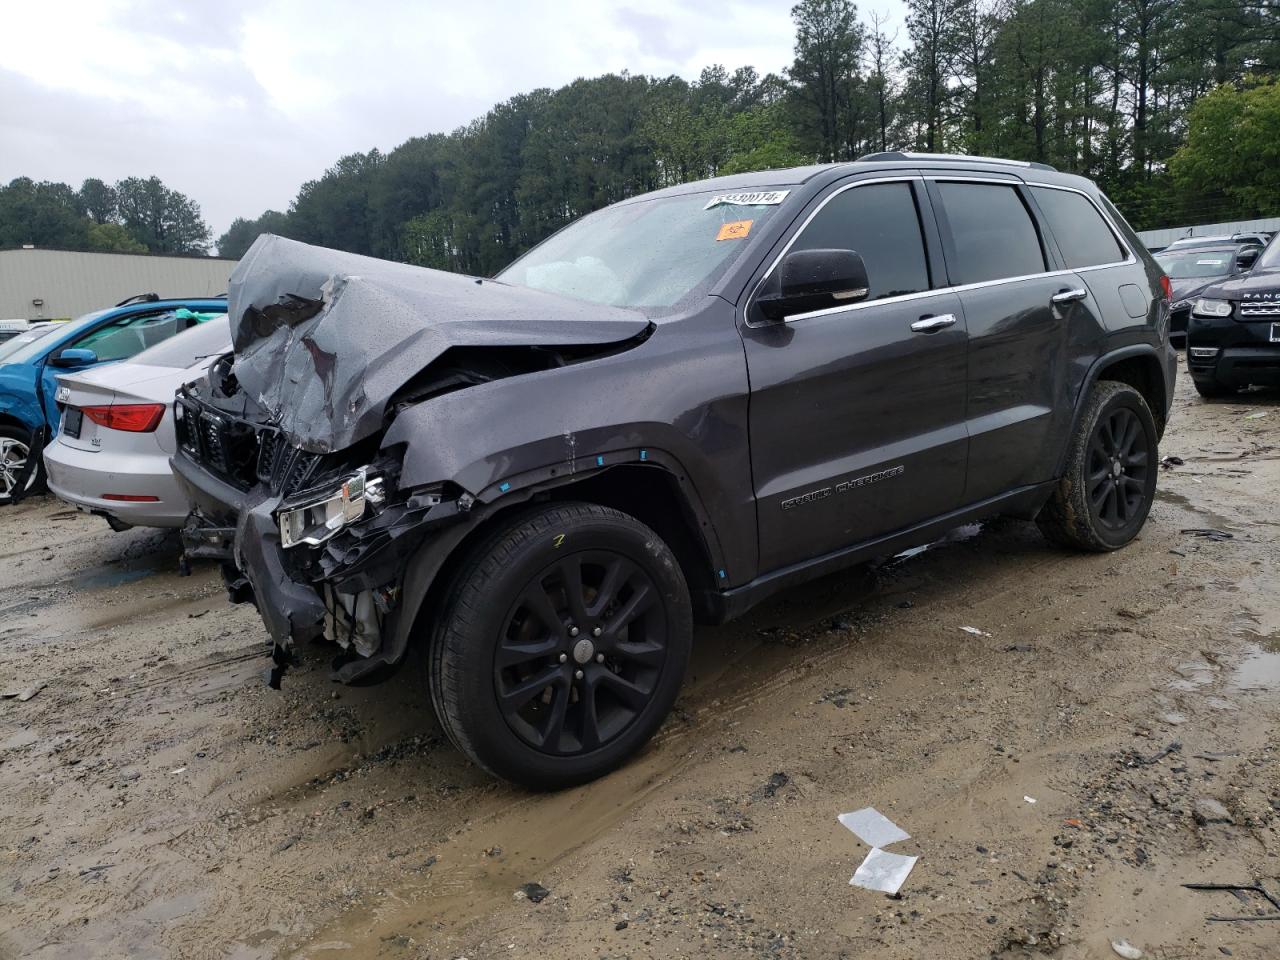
x: 931, y: 324
x: 1069, y: 296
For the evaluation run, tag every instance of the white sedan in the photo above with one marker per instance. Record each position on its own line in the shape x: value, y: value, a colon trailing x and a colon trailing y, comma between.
x: 111, y: 453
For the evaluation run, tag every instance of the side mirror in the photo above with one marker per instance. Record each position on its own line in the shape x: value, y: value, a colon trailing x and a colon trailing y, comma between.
x: 1246, y: 260
x: 813, y: 280
x: 73, y: 357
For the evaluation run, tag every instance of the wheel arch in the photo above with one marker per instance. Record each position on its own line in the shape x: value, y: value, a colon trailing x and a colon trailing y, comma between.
x: 1139, y: 366
x: 9, y: 420
x: 657, y: 496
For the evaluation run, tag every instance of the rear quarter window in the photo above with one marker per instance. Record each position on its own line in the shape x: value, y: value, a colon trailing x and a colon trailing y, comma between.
x: 1082, y: 235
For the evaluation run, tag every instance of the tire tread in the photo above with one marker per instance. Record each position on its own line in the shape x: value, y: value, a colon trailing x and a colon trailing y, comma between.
x: 467, y: 596
x: 1065, y: 519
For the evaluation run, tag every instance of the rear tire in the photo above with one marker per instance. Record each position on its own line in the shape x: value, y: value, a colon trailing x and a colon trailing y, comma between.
x: 1106, y: 492
x: 562, y: 645
x: 15, y: 448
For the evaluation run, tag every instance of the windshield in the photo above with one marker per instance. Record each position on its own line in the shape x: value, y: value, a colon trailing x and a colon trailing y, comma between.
x: 14, y: 344
x: 649, y: 255
x: 32, y: 350
x: 1188, y: 264
x: 209, y: 339
x: 1270, y: 259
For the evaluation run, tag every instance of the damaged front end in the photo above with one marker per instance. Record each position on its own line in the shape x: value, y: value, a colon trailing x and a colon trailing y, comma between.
x: 283, y: 447
x: 320, y: 543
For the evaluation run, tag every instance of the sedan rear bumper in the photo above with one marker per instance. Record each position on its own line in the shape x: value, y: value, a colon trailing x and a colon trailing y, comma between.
x: 83, y: 478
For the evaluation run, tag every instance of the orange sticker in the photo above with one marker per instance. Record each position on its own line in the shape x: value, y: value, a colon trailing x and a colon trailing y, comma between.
x: 737, y: 230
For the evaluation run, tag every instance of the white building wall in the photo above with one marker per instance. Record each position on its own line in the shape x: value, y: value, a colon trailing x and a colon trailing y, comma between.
x: 1159, y: 239
x: 52, y: 284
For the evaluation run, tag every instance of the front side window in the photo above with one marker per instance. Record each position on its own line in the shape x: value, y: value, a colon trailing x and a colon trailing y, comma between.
x: 995, y: 237
x: 1269, y: 259
x: 880, y: 223
x: 1083, y: 236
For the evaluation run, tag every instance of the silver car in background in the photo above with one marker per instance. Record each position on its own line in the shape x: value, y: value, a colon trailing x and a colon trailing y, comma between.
x: 111, y: 453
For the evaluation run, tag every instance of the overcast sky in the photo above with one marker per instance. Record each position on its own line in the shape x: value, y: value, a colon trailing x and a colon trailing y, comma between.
x: 237, y: 102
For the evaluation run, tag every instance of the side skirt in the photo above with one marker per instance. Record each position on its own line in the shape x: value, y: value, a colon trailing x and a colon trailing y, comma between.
x: 723, y: 605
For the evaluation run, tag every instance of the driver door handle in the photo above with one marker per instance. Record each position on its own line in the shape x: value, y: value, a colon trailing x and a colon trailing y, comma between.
x: 1069, y: 296
x: 932, y: 324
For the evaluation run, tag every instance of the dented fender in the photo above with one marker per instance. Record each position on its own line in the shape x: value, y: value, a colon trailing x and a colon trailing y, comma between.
x: 550, y: 427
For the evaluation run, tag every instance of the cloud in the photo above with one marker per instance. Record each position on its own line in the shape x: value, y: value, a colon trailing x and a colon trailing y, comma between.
x: 237, y: 103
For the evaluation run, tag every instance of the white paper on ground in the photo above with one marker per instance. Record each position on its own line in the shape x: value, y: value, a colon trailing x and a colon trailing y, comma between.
x: 872, y: 827
x: 883, y: 871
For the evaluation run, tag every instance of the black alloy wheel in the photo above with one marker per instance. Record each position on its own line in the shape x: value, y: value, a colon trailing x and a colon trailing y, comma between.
x: 561, y: 644
x: 1119, y: 458
x: 1108, y: 481
x: 581, y: 652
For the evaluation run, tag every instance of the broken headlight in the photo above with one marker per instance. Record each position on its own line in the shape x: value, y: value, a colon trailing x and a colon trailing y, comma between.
x: 315, y: 520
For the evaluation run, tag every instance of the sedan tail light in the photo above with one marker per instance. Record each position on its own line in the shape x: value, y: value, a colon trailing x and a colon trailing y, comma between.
x: 1166, y: 286
x: 130, y: 417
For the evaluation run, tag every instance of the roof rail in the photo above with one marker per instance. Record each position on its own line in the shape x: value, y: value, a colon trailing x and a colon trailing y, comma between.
x: 154, y: 297
x: 140, y: 298
x: 954, y: 158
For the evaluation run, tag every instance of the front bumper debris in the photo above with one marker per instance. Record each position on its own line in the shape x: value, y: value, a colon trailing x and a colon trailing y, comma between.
x: 342, y: 580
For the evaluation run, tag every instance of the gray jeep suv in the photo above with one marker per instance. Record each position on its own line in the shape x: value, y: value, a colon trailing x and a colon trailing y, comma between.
x: 667, y: 411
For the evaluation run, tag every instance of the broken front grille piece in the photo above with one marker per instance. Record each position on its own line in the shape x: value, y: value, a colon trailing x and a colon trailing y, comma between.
x: 241, y: 452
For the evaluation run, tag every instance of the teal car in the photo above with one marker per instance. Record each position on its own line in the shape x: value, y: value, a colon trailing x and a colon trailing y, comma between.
x: 28, y: 375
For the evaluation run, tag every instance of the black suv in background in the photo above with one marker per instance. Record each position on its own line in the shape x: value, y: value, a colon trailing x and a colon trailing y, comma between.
x: 1193, y: 267
x: 667, y: 411
x: 1233, y: 330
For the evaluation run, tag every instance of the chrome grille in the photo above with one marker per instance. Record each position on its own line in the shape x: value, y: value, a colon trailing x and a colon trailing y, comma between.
x: 1260, y: 308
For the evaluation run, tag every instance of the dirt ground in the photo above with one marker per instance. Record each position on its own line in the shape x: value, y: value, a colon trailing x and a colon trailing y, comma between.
x: 1108, y: 736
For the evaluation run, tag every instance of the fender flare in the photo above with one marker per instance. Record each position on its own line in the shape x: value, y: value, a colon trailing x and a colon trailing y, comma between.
x: 1094, y: 375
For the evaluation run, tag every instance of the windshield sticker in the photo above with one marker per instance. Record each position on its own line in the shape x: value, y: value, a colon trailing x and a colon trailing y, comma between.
x: 1210, y: 263
x: 759, y: 198
x: 737, y: 230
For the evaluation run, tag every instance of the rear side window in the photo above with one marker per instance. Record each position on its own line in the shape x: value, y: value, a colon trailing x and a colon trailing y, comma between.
x: 994, y: 235
x: 879, y: 222
x: 1083, y: 236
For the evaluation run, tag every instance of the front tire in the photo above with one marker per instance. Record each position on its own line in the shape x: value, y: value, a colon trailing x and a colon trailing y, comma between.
x: 1106, y: 492
x: 562, y: 645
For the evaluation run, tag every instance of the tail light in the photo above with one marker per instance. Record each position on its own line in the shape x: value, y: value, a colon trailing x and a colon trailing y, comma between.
x: 130, y: 417
x: 1166, y: 286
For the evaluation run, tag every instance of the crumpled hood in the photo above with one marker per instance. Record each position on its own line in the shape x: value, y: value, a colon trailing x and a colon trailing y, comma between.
x: 1255, y: 283
x: 323, y: 339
